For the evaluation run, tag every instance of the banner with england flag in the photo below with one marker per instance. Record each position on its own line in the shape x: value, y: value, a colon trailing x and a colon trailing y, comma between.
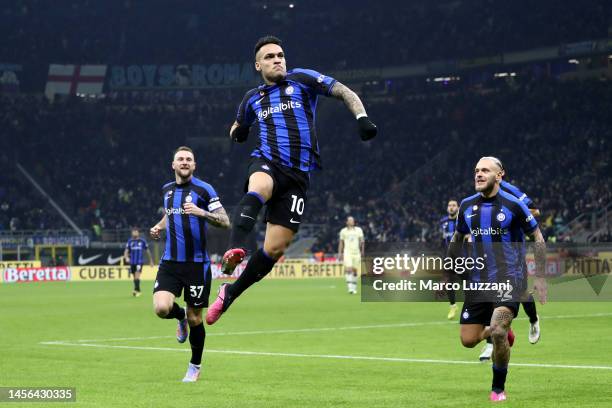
x: 75, y: 79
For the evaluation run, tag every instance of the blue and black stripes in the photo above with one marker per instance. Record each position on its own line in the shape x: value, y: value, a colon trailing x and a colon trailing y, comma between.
x: 497, y: 226
x: 186, y: 234
x: 136, y: 248
x: 285, y: 113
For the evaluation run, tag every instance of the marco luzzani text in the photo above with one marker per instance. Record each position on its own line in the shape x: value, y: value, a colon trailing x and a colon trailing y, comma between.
x: 413, y: 264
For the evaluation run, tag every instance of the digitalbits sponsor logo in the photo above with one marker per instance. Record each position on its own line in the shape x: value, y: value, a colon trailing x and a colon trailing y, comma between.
x: 281, y: 107
x: 488, y: 231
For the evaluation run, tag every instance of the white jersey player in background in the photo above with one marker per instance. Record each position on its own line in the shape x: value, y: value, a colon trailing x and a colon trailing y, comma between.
x: 350, y: 251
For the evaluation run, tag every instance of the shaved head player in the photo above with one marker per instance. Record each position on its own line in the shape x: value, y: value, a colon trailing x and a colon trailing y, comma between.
x: 496, y: 221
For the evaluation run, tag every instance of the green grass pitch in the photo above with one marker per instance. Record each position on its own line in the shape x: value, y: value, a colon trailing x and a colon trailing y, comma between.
x: 290, y: 343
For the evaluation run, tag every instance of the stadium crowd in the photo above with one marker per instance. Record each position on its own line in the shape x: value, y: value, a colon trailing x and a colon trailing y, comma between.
x: 130, y: 31
x: 105, y: 160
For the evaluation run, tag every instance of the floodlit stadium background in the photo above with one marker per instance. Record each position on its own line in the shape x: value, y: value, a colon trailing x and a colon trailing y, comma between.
x: 94, y: 97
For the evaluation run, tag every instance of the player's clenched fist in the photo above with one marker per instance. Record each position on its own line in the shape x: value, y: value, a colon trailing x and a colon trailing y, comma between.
x: 155, y: 232
x: 192, y: 209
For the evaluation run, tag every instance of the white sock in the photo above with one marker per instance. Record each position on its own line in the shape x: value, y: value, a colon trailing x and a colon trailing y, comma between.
x: 353, y: 283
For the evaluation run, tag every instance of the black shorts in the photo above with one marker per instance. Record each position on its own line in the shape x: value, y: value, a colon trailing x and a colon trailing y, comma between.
x: 481, y: 312
x: 135, y: 268
x: 288, y: 200
x: 194, y: 277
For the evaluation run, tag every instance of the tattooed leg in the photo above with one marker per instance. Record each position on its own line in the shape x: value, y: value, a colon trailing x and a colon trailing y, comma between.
x: 500, y: 324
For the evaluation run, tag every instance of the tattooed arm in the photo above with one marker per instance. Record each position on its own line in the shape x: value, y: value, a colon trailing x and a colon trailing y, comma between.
x: 350, y: 99
x: 218, y: 217
x: 367, y: 129
x: 539, y: 249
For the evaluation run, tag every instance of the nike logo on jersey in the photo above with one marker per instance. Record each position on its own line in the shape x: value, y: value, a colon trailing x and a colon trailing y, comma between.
x: 293, y: 222
x: 471, y: 215
x: 247, y: 216
x: 85, y: 261
x: 257, y: 102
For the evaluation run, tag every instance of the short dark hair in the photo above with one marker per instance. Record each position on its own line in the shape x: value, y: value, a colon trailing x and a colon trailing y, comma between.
x: 181, y: 149
x: 268, y: 39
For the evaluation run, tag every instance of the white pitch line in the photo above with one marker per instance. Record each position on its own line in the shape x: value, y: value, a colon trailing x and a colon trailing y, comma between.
x: 324, y: 329
x: 330, y: 356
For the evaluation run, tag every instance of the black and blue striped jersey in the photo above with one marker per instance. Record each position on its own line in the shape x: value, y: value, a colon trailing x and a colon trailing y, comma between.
x: 498, y: 226
x: 285, y: 114
x: 447, y: 226
x: 515, y: 191
x: 136, y: 248
x: 186, y: 234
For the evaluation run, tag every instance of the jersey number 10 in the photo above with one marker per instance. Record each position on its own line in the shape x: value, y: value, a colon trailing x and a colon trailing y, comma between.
x: 297, y: 205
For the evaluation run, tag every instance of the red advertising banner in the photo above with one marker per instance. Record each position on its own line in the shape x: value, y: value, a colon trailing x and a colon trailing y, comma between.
x: 44, y: 274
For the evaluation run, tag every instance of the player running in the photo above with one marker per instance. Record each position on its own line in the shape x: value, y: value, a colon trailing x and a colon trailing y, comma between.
x: 447, y: 225
x: 350, y: 251
x: 497, y: 221
x: 190, y: 205
x: 133, y: 254
x: 527, y: 301
x: 279, y: 173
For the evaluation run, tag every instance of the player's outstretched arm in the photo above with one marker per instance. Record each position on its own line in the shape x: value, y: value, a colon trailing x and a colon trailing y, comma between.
x: 539, y: 249
x: 367, y: 129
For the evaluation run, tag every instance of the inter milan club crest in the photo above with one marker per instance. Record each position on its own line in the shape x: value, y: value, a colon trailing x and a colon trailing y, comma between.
x: 261, y: 93
x: 474, y: 208
x: 289, y: 90
x: 501, y: 217
x: 188, y: 199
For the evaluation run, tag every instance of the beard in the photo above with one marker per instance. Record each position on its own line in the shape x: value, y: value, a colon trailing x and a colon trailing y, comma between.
x: 276, y: 76
x: 184, y: 173
x: 488, y: 186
